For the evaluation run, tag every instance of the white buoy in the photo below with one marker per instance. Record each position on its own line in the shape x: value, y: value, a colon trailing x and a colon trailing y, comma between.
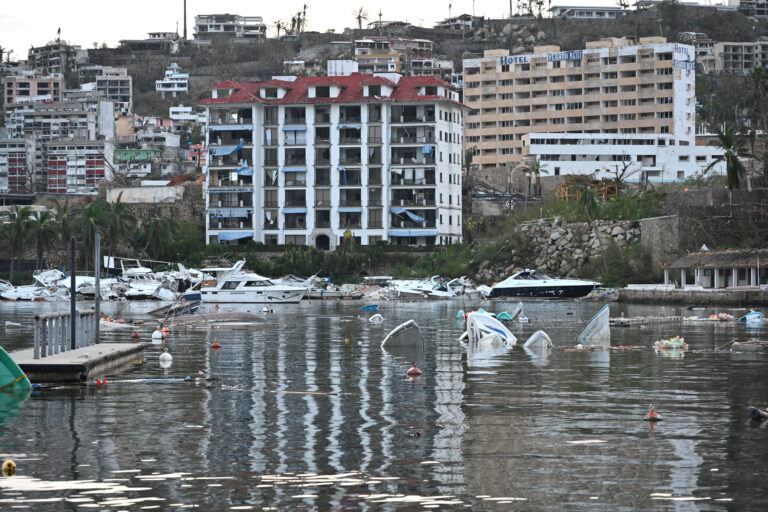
x: 166, y: 359
x: 376, y: 319
x: 157, y: 335
x: 265, y: 309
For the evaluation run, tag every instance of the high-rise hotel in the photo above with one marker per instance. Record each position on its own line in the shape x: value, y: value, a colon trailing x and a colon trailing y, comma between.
x: 644, y: 93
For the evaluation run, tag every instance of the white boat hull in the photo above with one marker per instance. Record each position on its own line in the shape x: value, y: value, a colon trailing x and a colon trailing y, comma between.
x: 251, y: 297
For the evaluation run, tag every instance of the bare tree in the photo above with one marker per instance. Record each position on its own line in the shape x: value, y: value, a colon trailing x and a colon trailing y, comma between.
x: 360, y: 15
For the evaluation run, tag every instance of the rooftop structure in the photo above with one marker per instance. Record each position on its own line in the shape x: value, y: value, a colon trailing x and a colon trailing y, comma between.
x: 308, y: 160
x: 56, y: 57
x: 229, y: 25
x: 155, y: 42
x: 586, y: 11
x: 612, y: 86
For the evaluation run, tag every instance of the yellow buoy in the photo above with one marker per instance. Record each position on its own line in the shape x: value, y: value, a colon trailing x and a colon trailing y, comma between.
x: 9, y: 468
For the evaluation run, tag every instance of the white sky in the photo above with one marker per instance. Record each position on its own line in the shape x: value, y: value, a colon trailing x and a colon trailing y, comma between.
x: 84, y: 22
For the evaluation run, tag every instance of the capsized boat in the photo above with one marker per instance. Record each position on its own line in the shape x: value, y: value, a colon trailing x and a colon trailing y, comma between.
x: 598, y: 330
x: 753, y: 319
x: 485, y: 331
x: 529, y: 284
x: 407, y: 334
x: 538, y: 340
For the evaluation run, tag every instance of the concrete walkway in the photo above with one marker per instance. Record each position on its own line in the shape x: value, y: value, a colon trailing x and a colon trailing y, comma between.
x: 79, y: 365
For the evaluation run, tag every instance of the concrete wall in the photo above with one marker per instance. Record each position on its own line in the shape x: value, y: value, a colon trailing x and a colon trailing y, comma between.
x: 139, y: 195
x: 660, y: 237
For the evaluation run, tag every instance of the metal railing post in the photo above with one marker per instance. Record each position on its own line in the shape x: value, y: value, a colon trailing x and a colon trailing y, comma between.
x: 36, y: 350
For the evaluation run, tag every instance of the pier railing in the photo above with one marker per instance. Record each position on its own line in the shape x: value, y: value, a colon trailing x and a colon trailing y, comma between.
x: 53, y: 332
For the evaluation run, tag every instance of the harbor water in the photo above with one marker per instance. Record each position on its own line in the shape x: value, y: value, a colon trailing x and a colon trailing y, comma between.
x: 304, y: 411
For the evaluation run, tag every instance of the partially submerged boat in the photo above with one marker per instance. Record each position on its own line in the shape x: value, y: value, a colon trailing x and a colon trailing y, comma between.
x: 13, y: 381
x: 529, y: 284
x: 539, y: 341
x: 407, y: 334
x: 598, y: 330
x: 485, y: 331
x: 753, y: 319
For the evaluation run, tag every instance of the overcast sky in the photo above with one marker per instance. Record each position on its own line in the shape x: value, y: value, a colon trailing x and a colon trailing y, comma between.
x: 84, y: 22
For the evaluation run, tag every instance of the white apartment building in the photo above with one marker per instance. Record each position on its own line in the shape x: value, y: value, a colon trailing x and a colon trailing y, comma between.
x: 631, y: 157
x: 612, y: 86
x: 181, y: 114
x: 77, y: 166
x: 231, y: 25
x: 13, y: 165
x: 114, y: 83
x: 304, y: 160
x: 174, y: 82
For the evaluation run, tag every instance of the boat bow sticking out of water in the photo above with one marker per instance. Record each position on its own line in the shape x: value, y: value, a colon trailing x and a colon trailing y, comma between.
x: 529, y: 284
x: 598, y: 330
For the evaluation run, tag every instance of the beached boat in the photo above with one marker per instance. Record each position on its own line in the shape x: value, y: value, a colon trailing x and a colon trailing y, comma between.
x: 529, y: 284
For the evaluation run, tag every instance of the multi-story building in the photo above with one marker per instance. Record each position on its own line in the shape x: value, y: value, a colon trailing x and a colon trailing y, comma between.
x: 174, y: 82
x: 737, y: 57
x: 56, y: 57
x: 753, y: 7
x: 14, y: 165
x: 229, y: 25
x: 181, y: 114
x: 38, y: 125
x: 156, y: 42
x: 612, y: 86
x: 4, y: 175
x: 114, y: 83
x: 586, y: 11
x: 77, y: 166
x: 630, y: 157
x: 306, y: 160
x: 31, y: 86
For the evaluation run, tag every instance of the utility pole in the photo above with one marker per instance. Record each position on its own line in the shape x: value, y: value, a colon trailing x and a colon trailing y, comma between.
x: 185, y: 20
x: 72, y: 298
x: 97, y: 287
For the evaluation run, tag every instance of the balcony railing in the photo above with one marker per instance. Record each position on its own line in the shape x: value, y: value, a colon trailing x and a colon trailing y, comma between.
x: 350, y: 202
x: 296, y: 203
x: 402, y: 139
x: 402, y: 160
x: 323, y: 202
x: 350, y: 140
x: 413, y: 119
x: 270, y: 204
x: 411, y: 182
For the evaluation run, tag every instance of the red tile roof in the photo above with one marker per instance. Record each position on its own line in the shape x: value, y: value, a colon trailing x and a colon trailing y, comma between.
x: 406, y: 89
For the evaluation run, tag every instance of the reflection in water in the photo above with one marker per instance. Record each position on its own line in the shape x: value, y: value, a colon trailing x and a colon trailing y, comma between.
x: 290, y: 397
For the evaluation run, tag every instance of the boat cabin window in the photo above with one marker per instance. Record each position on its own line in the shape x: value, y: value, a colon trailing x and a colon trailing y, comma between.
x: 230, y: 285
x: 257, y: 283
x: 543, y: 277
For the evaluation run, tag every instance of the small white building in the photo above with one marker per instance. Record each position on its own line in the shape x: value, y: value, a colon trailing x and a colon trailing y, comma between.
x: 181, y: 114
x: 175, y: 81
x: 636, y: 157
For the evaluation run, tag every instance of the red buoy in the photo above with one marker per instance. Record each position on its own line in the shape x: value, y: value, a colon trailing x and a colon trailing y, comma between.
x: 413, y: 370
x: 215, y: 345
x: 136, y: 335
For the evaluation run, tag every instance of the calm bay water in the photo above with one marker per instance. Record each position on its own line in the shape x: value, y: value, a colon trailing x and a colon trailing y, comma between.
x: 309, y: 391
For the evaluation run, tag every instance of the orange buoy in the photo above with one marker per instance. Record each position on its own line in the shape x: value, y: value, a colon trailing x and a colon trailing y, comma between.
x: 165, y: 329
x: 216, y: 307
x: 136, y: 335
x: 652, y: 415
x: 413, y: 370
x: 215, y: 345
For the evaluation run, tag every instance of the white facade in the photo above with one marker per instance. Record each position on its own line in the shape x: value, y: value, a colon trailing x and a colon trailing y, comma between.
x: 77, y: 166
x: 182, y: 114
x: 586, y: 11
x: 4, y: 175
x: 304, y: 173
x: 635, y: 157
x: 233, y: 25
x: 175, y: 81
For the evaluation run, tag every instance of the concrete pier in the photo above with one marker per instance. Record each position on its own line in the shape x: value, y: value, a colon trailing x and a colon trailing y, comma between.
x: 79, y: 365
x: 744, y: 297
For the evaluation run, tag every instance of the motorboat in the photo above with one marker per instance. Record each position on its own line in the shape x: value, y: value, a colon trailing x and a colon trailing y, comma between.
x: 47, y: 287
x: 235, y: 285
x: 529, y: 284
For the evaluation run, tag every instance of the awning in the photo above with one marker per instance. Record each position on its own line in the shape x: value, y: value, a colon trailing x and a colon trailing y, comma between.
x: 234, y: 235
x: 350, y: 209
x: 294, y: 128
x: 227, y: 127
x: 412, y: 232
x: 230, y: 213
x: 353, y: 126
x: 224, y: 150
x: 294, y: 210
x: 411, y: 215
x: 294, y: 169
x: 245, y: 171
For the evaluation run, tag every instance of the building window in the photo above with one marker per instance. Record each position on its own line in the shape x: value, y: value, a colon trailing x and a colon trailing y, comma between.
x: 322, y: 91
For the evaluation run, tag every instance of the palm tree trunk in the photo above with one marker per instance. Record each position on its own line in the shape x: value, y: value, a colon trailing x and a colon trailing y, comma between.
x: 10, y: 277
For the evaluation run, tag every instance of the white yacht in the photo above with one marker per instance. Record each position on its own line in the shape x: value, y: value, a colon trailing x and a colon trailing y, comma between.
x: 529, y: 284
x: 235, y: 285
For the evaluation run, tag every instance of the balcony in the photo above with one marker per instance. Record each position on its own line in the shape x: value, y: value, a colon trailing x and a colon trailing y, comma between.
x: 351, y: 202
x: 322, y: 202
x: 296, y: 203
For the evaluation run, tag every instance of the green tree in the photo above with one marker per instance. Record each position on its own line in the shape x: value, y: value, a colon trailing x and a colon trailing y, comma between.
x: 588, y: 202
x: 120, y: 223
x: 17, y: 233
x: 44, y: 229
x: 155, y: 233
x: 65, y: 217
x: 759, y: 82
x: 732, y: 145
x: 93, y: 219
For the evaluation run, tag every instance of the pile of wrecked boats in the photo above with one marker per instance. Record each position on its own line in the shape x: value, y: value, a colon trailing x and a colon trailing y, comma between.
x: 231, y: 283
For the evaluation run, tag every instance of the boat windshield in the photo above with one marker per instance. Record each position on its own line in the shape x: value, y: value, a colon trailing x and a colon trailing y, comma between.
x: 263, y: 282
x: 543, y: 277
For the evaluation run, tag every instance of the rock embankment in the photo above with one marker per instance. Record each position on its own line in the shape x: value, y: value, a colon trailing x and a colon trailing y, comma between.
x: 559, y: 248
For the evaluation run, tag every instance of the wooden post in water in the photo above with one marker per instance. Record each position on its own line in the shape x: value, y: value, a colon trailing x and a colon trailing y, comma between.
x: 97, y: 286
x: 72, y: 298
